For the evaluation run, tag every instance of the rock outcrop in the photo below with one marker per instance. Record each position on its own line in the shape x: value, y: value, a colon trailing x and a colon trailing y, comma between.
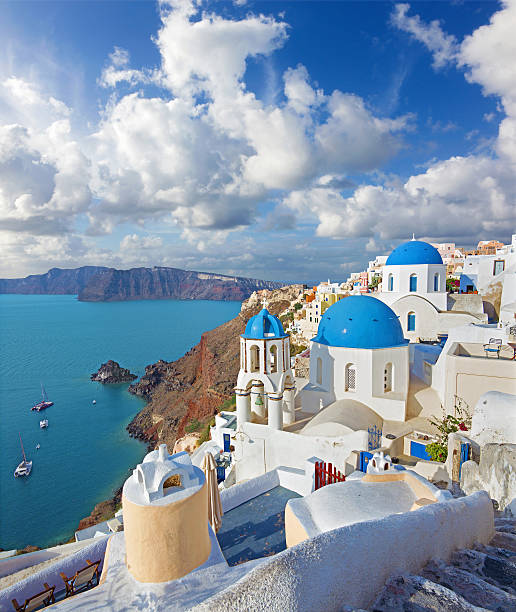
x: 111, y: 372
x: 199, y: 382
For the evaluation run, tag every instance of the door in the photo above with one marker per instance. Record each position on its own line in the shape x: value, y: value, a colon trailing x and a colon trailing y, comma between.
x: 227, y: 442
x: 364, y: 460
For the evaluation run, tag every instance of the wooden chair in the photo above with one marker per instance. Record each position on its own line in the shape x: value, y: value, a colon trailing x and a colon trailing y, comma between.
x: 45, y: 598
x: 494, y: 346
x: 83, y: 578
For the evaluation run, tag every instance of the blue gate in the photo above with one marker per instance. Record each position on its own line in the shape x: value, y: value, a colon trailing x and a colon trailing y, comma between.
x: 465, y: 453
x: 227, y: 442
x: 221, y: 473
x: 374, y: 437
x: 364, y: 460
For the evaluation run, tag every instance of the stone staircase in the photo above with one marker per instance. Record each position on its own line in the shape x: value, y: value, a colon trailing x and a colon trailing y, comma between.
x: 472, y: 580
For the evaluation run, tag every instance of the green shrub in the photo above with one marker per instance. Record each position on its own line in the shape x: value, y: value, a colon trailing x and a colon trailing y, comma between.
x: 298, y: 306
x: 438, y: 452
x: 193, y: 425
x: 205, y: 432
x: 295, y: 349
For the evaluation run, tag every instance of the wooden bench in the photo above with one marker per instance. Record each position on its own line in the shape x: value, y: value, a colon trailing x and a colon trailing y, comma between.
x: 82, y: 579
x: 45, y: 598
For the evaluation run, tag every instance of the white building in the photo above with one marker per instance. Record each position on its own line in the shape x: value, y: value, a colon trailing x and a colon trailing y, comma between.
x: 414, y: 286
x: 359, y: 354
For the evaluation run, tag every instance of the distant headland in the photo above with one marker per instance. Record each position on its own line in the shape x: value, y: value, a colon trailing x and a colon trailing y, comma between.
x: 101, y: 284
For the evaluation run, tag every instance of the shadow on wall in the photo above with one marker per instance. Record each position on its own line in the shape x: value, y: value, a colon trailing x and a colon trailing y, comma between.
x: 490, y: 311
x: 491, y: 300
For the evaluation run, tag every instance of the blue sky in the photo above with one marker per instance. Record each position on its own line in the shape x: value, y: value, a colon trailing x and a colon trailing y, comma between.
x: 281, y: 140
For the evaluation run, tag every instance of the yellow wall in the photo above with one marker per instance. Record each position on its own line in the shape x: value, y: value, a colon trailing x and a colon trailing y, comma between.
x: 166, y: 542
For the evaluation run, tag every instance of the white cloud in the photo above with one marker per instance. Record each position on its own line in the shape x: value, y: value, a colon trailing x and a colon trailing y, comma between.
x: 442, y: 46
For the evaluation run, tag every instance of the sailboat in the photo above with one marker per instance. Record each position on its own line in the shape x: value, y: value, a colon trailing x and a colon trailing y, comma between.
x: 45, y: 403
x: 25, y: 466
x: 43, y: 424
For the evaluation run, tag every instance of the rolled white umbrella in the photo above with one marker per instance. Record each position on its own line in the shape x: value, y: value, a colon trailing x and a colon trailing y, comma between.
x: 214, y: 504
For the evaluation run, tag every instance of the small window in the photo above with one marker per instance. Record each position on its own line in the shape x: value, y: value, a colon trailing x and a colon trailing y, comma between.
x: 387, y: 378
x: 499, y: 266
x: 436, y: 282
x: 411, y: 321
x: 413, y: 282
x: 350, y: 379
x: 391, y: 282
x: 319, y: 371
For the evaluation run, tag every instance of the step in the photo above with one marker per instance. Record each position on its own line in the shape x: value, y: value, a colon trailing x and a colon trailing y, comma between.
x: 412, y: 593
x: 499, y: 572
x: 470, y: 586
x: 501, y: 553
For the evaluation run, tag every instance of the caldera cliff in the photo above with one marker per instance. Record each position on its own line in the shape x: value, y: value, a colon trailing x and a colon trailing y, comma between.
x: 188, y: 391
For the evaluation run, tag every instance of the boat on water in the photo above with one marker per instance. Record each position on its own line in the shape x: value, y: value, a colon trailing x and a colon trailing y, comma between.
x: 43, y: 424
x: 45, y: 403
x: 25, y: 466
x: 38, y: 446
x: 94, y: 402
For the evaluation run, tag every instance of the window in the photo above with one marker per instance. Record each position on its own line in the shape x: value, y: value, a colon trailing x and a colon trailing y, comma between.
x: 274, y: 359
x: 350, y: 378
x: 391, y: 282
x: 499, y: 266
x: 387, y: 378
x: 319, y: 371
x: 255, y: 358
x: 411, y: 321
x: 413, y: 282
x: 436, y: 282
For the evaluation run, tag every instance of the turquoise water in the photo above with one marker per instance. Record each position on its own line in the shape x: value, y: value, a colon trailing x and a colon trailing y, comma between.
x: 86, y: 452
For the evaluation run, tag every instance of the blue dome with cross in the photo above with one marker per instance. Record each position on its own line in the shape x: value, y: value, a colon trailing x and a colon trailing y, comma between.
x: 360, y: 321
x: 264, y: 326
x: 414, y: 252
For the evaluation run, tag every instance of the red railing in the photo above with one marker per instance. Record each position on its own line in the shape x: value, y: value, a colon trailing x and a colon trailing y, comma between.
x: 326, y: 473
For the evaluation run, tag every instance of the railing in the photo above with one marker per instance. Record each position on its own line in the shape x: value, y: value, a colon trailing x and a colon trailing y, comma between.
x: 326, y: 473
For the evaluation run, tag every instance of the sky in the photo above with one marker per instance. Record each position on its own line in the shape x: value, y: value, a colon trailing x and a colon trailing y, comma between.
x: 289, y: 141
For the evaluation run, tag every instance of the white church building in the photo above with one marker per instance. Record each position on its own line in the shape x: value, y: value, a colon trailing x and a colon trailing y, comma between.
x: 414, y: 286
x: 359, y: 354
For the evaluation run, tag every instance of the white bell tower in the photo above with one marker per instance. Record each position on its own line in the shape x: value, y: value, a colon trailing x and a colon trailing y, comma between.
x: 265, y: 382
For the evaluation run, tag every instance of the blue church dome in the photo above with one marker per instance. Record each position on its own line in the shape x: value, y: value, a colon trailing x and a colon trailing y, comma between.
x: 264, y: 325
x: 360, y: 321
x: 414, y: 252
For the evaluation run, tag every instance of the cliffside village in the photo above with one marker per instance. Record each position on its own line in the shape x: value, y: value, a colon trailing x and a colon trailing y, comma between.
x: 368, y: 461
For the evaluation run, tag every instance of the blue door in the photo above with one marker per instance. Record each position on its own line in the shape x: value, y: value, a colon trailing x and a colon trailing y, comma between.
x: 227, y: 442
x: 221, y: 473
x: 364, y: 460
x: 465, y: 450
x: 411, y: 322
x: 419, y: 450
x: 413, y: 283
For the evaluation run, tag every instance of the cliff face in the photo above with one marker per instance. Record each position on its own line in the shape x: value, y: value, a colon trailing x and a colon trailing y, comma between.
x: 192, y: 387
x: 162, y: 283
x: 55, y: 281
x: 99, y: 284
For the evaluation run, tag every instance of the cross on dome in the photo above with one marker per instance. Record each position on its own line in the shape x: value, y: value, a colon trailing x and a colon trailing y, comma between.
x: 265, y: 303
x: 413, y: 236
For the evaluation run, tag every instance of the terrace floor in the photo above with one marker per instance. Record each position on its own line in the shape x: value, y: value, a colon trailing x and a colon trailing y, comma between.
x: 256, y: 528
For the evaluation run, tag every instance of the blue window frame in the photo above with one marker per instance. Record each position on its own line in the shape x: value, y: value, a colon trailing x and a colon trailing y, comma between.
x: 413, y: 282
x: 436, y: 282
x: 391, y: 282
x: 411, y: 322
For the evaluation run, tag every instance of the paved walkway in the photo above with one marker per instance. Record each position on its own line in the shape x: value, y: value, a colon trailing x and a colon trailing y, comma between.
x: 255, y: 529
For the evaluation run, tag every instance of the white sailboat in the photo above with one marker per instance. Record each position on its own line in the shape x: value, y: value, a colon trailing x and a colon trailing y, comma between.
x: 43, y: 424
x: 25, y: 466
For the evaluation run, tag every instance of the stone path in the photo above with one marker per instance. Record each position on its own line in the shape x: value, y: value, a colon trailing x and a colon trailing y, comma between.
x: 473, y: 580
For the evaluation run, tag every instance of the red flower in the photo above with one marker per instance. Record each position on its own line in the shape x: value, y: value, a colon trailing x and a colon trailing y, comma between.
x: 463, y: 427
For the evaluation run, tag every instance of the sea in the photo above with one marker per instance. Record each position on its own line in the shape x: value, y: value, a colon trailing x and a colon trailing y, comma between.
x: 85, y: 453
